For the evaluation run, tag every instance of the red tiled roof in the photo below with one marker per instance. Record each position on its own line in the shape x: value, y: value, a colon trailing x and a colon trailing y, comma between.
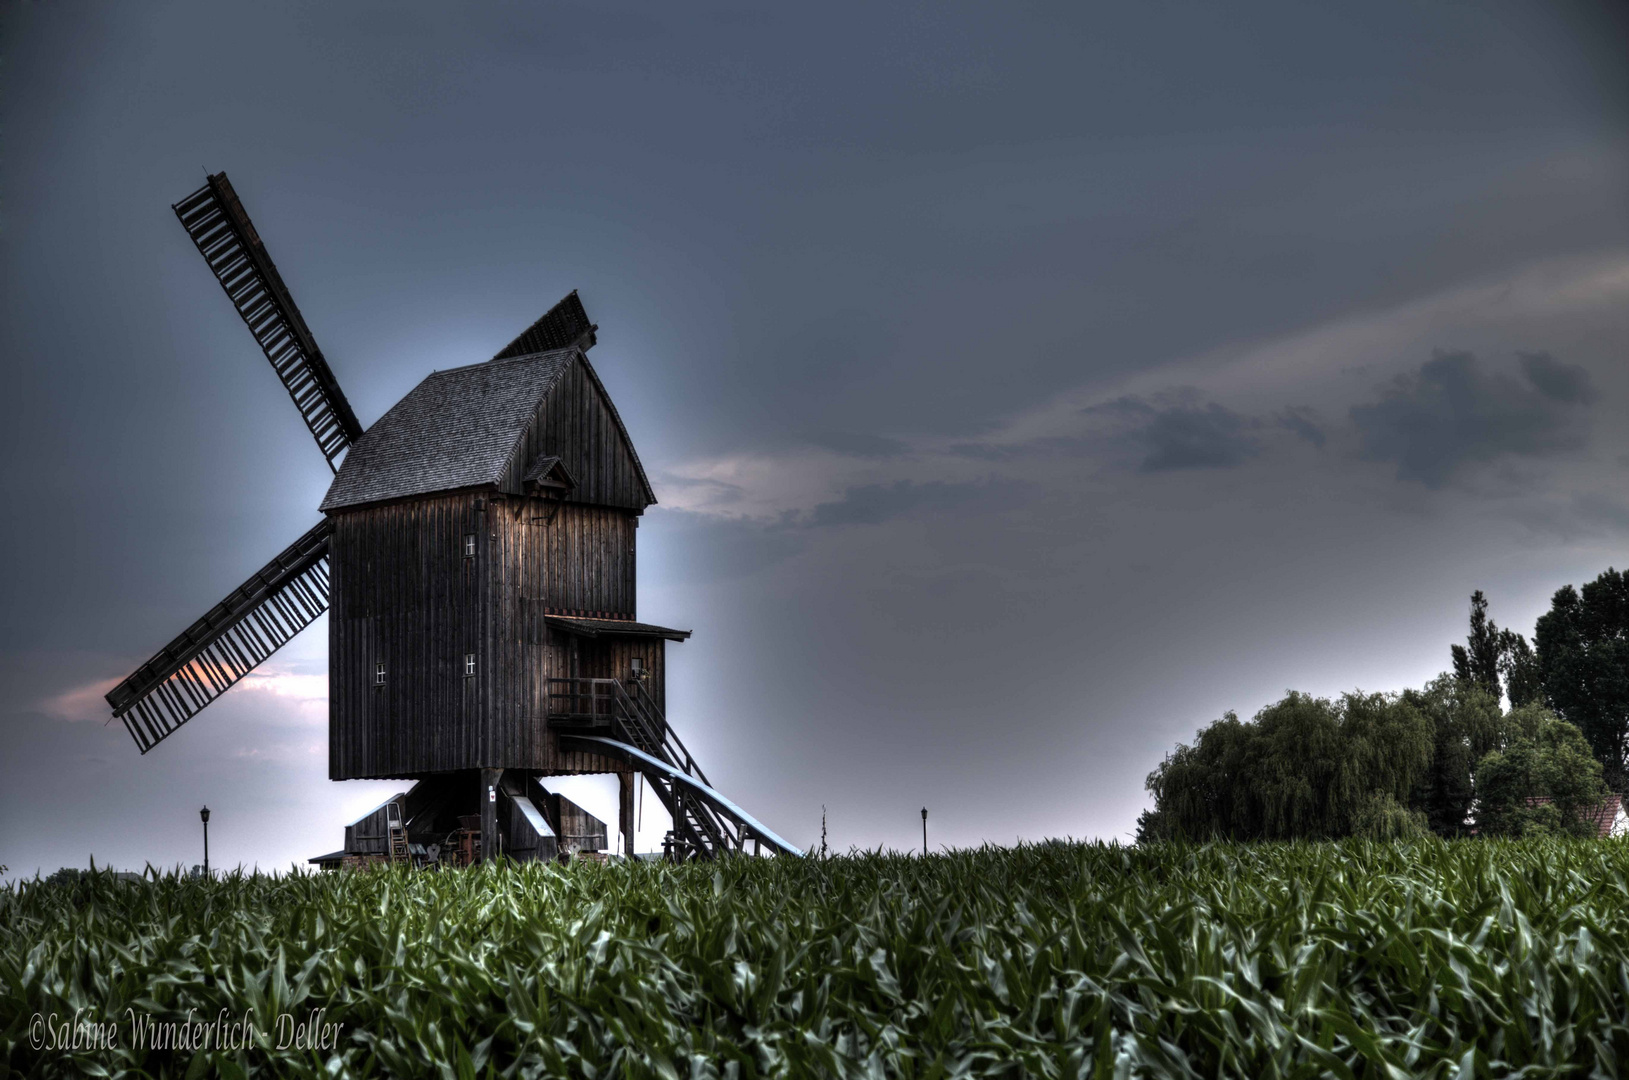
x: 1601, y: 816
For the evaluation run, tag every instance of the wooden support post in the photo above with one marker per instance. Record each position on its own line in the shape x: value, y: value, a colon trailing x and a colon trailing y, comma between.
x: 625, y: 816
x: 489, y: 813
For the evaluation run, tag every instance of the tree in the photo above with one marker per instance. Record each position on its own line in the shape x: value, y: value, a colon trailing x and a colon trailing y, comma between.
x: 1491, y: 656
x: 1382, y: 817
x: 1518, y: 663
x: 1541, y: 781
x: 1304, y: 767
x: 1477, y: 661
x: 1583, y: 659
x: 1465, y: 726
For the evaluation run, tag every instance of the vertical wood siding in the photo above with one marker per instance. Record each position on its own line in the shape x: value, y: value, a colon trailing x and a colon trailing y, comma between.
x: 577, y: 423
x: 404, y: 594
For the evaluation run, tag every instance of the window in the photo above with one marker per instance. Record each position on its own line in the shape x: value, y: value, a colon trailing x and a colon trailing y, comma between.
x: 638, y: 666
x: 469, y: 665
x: 379, y: 674
x: 469, y: 545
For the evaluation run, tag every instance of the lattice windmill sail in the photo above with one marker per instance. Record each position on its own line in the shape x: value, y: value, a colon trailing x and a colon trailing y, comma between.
x: 215, y: 219
x: 477, y: 552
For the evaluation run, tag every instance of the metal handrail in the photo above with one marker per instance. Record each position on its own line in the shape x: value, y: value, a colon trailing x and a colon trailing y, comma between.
x: 643, y: 708
x: 638, y: 720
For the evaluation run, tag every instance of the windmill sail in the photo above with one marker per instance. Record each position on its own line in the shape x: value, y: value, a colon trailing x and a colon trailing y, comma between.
x: 254, y: 621
x: 215, y: 219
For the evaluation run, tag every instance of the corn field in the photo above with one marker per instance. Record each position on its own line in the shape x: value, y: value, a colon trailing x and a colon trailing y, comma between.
x: 1438, y: 959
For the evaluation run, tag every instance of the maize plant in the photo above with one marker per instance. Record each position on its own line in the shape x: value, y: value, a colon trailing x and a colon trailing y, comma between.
x: 1431, y: 958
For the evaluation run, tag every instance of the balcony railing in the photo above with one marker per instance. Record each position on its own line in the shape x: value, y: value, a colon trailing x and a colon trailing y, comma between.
x: 628, y: 712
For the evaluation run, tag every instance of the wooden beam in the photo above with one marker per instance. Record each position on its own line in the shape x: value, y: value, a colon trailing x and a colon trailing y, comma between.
x: 625, y: 816
x: 489, y: 813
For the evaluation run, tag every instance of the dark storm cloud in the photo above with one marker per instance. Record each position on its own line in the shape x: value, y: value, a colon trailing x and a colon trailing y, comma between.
x: 872, y: 504
x: 1454, y: 412
x: 1182, y: 435
x: 1601, y: 511
x: 726, y: 548
x: 1051, y: 446
x: 1565, y: 383
x: 1213, y: 437
x: 857, y: 444
x: 1171, y: 431
x: 1303, y: 421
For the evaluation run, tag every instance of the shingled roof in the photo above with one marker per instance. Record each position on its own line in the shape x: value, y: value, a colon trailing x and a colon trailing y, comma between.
x: 456, y: 429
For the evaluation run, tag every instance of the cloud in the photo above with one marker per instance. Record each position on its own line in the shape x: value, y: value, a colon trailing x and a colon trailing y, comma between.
x: 872, y: 504
x: 308, y: 693
x: 85, y: 702
x: 858, y: 444
x: 1184, y: 435
x: 1303, y: 421
x: 1226, y: 410
x: 1453, y: 413
x: 1567, y: 383
x: 1048, y: 446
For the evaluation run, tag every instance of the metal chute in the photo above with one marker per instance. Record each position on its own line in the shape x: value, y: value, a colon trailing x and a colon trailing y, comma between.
x: 667, y: 777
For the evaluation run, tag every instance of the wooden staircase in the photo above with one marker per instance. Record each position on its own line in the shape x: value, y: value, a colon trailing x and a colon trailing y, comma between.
x: 626, y: 712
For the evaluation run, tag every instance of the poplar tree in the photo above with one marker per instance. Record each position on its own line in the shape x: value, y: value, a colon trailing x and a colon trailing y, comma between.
x: 1477, y: 660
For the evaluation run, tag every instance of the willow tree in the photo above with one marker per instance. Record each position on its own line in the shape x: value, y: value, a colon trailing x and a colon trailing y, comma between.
x: 1303, y: 767
x: 1466, y: 725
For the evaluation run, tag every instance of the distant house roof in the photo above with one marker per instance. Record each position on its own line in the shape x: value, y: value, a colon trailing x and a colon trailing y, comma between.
x: 1608, y: 817
x: 612, y: 628
x: 456, y: 429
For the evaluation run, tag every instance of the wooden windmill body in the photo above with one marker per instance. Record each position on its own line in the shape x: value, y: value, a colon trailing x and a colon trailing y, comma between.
x: 477, y: 559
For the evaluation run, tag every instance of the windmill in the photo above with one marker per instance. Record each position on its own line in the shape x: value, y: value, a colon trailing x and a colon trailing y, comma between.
x: 476, y: 557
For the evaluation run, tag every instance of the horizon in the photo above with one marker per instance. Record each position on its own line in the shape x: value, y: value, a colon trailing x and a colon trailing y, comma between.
x: 1022, y: 392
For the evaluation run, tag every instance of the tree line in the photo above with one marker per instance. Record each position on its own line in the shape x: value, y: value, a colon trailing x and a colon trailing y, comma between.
x: 1521, y: 737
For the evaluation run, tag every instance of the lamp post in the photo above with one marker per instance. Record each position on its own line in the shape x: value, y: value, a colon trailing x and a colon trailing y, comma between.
x: 924, y: 830
x: 204, y: 814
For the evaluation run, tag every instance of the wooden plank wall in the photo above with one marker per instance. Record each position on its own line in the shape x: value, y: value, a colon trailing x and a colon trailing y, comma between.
x: 404, y: 593
x: 577, y: 422
x: 571, y: 656
x: 587, y: 562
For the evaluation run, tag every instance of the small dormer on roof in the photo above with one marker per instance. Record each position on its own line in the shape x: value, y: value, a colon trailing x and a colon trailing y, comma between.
x: 547, y: 476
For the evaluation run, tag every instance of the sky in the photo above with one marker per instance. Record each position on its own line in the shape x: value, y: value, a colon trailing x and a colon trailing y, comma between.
x: 1023, y: 386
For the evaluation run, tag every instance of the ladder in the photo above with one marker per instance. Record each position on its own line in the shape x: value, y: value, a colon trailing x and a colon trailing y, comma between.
x: 397, y: 832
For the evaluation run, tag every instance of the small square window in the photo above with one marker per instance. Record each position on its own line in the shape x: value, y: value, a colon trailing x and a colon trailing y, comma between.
x: 378, y: 674
x: 469, y: 545
x: 469, y: 665
x: 638, y: 665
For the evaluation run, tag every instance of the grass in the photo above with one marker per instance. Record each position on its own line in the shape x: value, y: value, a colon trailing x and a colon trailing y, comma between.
x: 1473, y: 958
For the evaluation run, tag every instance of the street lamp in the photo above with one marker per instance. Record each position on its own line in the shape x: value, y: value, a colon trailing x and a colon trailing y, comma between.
x: 924, y: 830
x: 204, y: 814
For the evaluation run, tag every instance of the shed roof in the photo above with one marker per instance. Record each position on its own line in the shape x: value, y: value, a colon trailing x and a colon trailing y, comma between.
x: 456, y: 429
x: 613, y: 628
